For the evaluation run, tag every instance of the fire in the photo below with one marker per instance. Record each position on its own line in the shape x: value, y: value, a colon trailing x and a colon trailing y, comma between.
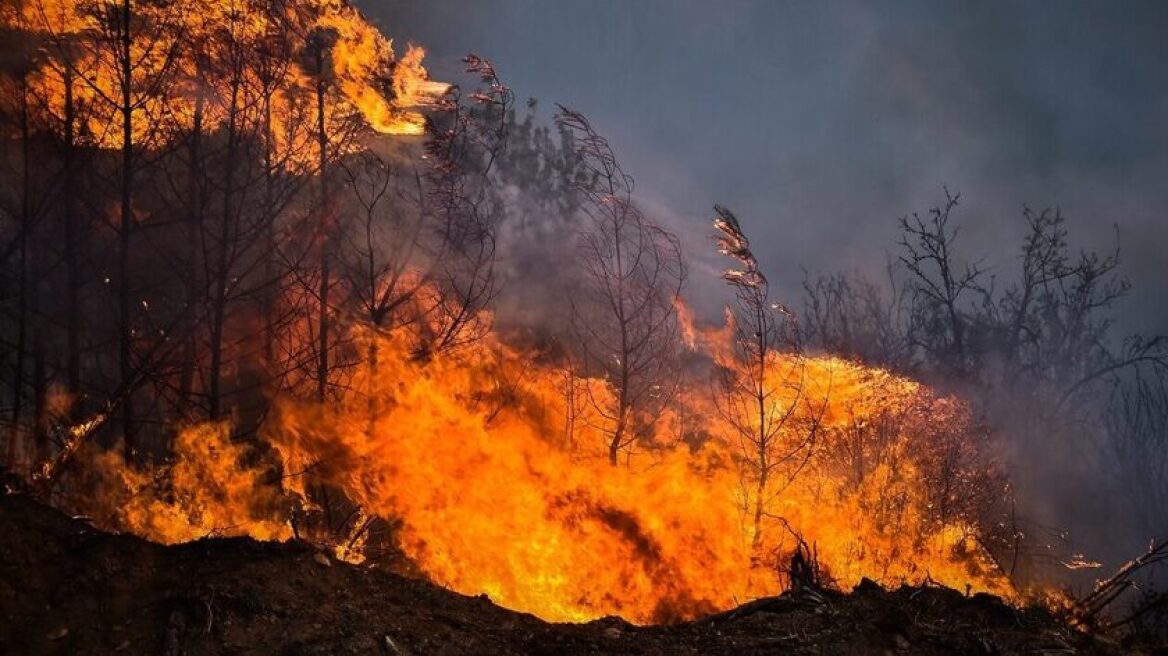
x: 208, y: 490
x: 173, y: 80
x: 362, y: 55
x: 497, y: 478
x: 468, y: 451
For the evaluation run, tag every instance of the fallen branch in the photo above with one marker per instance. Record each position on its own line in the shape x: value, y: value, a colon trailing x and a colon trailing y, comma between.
x: 1089, y: 609
x: 47, y: 473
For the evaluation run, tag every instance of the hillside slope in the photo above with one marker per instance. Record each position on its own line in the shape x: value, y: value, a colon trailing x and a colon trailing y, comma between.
x: 66, y: 588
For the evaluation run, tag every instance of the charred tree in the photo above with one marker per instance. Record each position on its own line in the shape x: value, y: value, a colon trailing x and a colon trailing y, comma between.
x: 625, y: 317
x: 939, y: 286
x: 138, y: 43
x: 465, y: 144
x: 763, y: 398
x: 26, y: 281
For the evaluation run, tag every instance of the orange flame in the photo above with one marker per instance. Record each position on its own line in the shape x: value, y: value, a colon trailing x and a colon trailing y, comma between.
x: 209, y: 490
x: 497, y: 473
x: 185, y: 59
x: 466, y: 450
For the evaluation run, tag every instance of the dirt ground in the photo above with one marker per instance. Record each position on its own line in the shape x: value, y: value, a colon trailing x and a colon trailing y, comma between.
x: 66, y: 588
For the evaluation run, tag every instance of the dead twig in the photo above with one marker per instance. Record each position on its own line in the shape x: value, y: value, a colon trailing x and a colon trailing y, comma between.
x: 1090, y: 607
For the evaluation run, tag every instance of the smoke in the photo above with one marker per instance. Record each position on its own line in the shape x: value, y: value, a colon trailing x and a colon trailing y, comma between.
x: 779, y: 141
x: 821, y: 124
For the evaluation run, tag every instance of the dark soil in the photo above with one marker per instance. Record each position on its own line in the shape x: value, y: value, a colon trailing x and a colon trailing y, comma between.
x: 67, y: 588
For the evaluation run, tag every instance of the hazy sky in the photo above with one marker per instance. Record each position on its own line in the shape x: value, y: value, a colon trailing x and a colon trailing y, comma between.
x: 820, y: 123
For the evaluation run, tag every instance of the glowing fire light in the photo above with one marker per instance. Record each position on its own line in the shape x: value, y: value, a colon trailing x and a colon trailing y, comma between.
x: 491, y: 499
x: 361, y: 65
x: 500, y: 480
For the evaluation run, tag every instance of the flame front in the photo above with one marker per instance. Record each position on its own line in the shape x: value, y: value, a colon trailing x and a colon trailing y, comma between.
x: 491, y: 459
x: 200, y: 47
x: 502, y: 485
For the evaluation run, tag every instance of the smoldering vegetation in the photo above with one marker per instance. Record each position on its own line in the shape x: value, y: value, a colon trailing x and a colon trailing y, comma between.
x: 193, y: 240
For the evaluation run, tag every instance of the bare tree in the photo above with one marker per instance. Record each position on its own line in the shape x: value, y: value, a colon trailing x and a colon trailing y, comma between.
x: 68, y: 120
x: 335, y: 126
x: 287, y: 134
x: 852, y: 316
x: 938, y: 285
x: 138, y: 43
x: 763, y: 398
x: 1137, y: 447
x: 319, y: 45
x: 466, y: 142
x: 384, y: 254
x: 26, y: 216
x: 240, y: 128
x: 624, y: 316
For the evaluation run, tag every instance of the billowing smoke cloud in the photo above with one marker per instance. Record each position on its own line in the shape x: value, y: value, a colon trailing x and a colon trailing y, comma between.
x: 821, y: 123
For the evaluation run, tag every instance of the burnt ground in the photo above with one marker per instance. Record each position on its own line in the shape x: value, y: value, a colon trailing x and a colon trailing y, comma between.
x: 66, y: 588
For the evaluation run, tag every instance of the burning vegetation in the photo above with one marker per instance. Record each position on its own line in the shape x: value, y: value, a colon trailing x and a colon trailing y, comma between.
x: 265, y: 278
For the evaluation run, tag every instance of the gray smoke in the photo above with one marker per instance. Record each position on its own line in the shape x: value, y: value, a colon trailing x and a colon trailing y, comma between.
x: 822, y: 123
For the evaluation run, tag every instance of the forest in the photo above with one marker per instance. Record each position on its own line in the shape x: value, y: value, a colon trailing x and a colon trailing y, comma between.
x: 262, y: 276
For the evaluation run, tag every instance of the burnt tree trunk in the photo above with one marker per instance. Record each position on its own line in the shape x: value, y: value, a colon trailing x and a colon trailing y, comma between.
x: 323, y: 227
x: 194, y: 231
x: 22, y: 280
x: 226, y: 239
x: 73, y: 229
x: 125, y: 227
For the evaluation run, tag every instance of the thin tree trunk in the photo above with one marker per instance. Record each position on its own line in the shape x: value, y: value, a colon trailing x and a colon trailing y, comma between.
x: 618, y: 435
x: 271, y: 285
x: 71, y: 224
x: 623, y: 400
x: 760, y: 397
x: 40, y: 437
x: 222, y: 274
x: 40, y: 433
x: 125, y: 329
x: 322, y: 368
x: 756, y: 541
x: 190, y: 353
x: 21, y: 282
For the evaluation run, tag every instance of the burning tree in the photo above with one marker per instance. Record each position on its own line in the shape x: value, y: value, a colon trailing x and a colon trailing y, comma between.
x: 466, y: 141
x: 624, y: 316
x: 384, y: 245
x: 418, y: 250
x: 136, y: 44
x: 178, y: 141
x: 1037, y: 353
x: 763, y: 398
x: 282, y: 233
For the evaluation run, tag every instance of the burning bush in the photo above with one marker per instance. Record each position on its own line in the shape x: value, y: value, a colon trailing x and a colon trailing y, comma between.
x: 307, y: 345
x: 465, y: 450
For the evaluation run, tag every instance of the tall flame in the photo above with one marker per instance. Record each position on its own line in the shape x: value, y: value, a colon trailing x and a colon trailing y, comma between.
x: 475, y: 453
x: 185, y: 57
x: 495, y: 469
